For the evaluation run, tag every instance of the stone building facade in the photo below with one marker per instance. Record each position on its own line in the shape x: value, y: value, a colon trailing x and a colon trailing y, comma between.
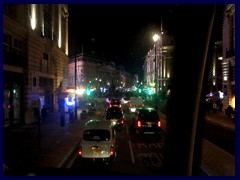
x: 159, y: 75
x: 35, y: 59
x: 96, y: 72
x: 228, y: 62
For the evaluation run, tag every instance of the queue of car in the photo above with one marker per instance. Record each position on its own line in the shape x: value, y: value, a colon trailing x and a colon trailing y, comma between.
x: 99, y: 143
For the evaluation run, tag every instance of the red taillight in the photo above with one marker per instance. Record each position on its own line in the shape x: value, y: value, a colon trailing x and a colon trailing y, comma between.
x: 159, y: 123
x: 139, y: 124
x: 120, y: 105
x: 112, y: 151
x: 122, y: 121
x: 110, y: 105
x: 80, y: 151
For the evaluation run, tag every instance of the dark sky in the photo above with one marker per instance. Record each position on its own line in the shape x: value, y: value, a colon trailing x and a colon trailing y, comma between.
x: 119, y: 33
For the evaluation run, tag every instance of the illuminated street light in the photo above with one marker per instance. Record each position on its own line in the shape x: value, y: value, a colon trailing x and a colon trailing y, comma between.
x: 155, y: 37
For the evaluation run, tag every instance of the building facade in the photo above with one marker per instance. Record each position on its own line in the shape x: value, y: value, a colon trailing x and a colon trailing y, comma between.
x: 35, y: 59
x: 96, y: 73
x: 215, y: 79
x: 158, y: 64
x: 228, y: 62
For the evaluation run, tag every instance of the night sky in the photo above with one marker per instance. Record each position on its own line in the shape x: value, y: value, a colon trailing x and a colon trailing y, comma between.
x: 120, y: 33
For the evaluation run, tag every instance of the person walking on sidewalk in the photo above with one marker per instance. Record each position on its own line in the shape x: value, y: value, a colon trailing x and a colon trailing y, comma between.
x: 229, y: 111
x: 214, y: 107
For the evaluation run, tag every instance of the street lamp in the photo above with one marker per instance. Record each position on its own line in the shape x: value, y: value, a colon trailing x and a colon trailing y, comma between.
x: 155, y: 39
x: 75, y: 78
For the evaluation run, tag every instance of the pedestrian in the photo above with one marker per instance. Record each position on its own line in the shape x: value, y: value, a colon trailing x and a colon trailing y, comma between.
x: 214, y: 107
x: 229, y: 111
x: 220, y: 104
x: 43, y: 113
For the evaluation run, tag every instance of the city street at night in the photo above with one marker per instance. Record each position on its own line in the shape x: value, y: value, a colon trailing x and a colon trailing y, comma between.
x: 120, y: 89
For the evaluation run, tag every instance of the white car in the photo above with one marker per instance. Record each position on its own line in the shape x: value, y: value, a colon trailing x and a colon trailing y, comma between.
x: 98, y: 142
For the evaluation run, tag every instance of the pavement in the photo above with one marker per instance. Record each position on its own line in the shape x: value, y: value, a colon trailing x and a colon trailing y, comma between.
x: 216, y: 161
x: 52, y: 145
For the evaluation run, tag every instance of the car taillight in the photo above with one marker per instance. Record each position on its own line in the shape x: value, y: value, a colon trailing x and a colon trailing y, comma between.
x: 120, y: 105
x: 110, y: 105
x: 139, y: 124
x: 112, y: 151
x: 159, y: 123
x: 80, y: 151
x: 122, y: 121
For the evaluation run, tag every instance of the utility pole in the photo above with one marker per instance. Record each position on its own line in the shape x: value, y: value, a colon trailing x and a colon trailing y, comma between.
x: 155, y: 39
x: 155, y: 60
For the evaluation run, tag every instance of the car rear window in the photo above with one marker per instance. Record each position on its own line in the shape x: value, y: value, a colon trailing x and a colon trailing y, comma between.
x: 147, y: 115
x: 96, y: 135
x: 114, y: 113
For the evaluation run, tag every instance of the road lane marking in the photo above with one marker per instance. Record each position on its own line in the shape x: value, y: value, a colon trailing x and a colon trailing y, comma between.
x: 150, y: 145
x: 150, y: 160
x: 131, y: 151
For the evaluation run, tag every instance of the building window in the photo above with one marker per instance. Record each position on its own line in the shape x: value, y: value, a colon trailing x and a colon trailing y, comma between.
x: 63, y: 20
x: 45, y: 62
x: 47, y: 20
x: 18, y: 47
x: 10, y: 10
x: 7, y: 42
x: 13, y: 45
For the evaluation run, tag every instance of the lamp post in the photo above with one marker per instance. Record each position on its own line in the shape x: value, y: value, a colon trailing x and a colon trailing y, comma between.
x: 155, y: 39
x: 75, y: 78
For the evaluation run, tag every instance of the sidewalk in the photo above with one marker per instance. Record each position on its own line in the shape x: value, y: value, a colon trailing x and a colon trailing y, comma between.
x: 222, y: 119
x: 215, y: 161
x: 22, y: 146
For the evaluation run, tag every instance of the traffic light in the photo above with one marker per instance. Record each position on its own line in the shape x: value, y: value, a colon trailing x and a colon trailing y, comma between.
x: 139, y: 90
x: 88, y: 91
x: 150, y: 90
